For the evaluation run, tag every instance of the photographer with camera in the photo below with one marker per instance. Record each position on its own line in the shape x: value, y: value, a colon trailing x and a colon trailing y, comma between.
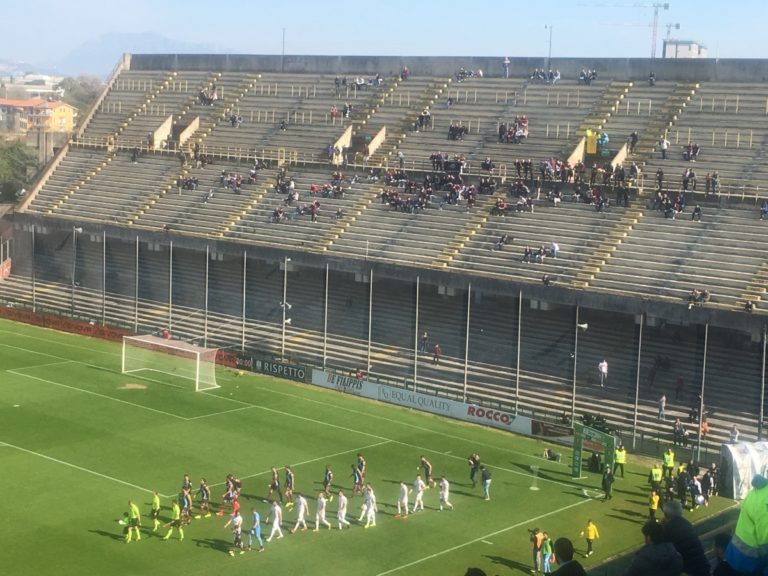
x: 537, y: 537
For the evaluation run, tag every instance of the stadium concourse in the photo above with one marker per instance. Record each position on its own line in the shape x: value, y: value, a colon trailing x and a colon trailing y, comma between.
x: 300, y: 210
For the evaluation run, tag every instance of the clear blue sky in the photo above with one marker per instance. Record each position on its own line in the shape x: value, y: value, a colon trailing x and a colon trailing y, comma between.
x: 48, y: 29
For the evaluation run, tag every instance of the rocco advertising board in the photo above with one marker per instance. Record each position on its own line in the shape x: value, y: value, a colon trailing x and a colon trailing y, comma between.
x: 423, y: 402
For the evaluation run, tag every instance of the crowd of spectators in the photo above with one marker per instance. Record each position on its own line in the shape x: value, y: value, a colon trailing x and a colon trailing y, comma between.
x: 541, y: 76
x: 514, y: 132
x: 208, y: 96
x: 462, y: 74
x: 587, y: 76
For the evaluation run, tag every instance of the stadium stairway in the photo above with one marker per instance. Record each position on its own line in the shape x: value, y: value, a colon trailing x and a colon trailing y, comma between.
x: 130, y: 91
x: 607, y: 247
x: 75, y: 170
x: 667, y: 258
x: 470, y: 228
x: 399, y: 119
x: 604, y: 107
x: 637, y: 111
x: 663, y: 120
x: 756, y: 289
x: 349, y: 218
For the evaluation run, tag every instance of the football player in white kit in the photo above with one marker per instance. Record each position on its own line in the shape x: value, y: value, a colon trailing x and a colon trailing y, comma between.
x: 402, y: 501
x: 301, y: 514
x: 445, y: 488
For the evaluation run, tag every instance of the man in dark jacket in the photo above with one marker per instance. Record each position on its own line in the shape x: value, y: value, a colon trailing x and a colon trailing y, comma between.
x: 564, y: 555
x: 657, y: 557
x: 681, y: 534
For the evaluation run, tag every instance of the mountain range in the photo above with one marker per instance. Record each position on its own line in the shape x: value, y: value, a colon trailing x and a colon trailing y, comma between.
x: 97, y: 57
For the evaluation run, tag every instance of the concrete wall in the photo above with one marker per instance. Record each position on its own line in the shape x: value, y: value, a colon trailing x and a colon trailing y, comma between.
x: 708, y: 69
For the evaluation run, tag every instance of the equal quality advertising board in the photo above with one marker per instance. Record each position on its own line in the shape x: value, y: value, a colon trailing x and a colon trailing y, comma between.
x: 424, y: 402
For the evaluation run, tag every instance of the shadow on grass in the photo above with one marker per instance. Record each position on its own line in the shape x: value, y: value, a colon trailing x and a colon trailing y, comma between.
x: 112, y: 535
x: 509, y: 563
x: 563, y: 477
x: 212, y: 544
x: 463, y: 493
x: 629, y: 516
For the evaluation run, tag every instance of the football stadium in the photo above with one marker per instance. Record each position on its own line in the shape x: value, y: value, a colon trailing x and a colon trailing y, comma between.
x: 499, y: 277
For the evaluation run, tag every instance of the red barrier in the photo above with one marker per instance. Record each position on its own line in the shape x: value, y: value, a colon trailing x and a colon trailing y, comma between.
x: 64, y: 324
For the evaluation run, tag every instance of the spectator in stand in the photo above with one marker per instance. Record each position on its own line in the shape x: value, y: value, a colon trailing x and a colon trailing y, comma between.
x: 723, y: 568
x: 436, y: 352
x: 696, y: 214
x: 602, y: 371
x: 564, y: 558
x: 733, y: 436
x: 501, y: 242
x: 657, y: 557
x: 633, y: 140
x: 663, y: 147
x: 682, y: 535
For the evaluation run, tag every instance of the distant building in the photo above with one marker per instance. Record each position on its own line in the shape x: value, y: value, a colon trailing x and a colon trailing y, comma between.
x: 683, y: 49
x: 36, y: 114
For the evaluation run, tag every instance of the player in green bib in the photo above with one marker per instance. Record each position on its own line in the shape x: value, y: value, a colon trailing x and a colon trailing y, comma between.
x: 175, y: 521
x: 134, y: 522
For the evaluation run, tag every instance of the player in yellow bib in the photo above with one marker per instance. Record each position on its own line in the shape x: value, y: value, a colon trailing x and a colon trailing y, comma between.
x: 134, y: 522
x: 155, y: 512
x: 175, y: 522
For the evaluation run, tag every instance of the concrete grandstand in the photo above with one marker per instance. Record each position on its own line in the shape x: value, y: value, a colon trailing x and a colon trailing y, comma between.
x: 142, y: 222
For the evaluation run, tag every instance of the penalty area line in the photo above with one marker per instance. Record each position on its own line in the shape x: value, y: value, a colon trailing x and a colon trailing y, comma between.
x: 482, y: 538
x: 76, y: 467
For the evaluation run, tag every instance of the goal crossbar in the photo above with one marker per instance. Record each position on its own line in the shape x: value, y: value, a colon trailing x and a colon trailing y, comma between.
x: 172, y: 357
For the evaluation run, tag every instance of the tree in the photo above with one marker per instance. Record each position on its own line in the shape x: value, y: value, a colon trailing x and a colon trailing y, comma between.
x: 81, y: 92
x: 15, y: 162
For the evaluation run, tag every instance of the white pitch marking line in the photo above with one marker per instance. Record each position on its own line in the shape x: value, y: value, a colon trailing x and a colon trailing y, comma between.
x: 59, y: 343
x: 482, y: 538
x: 96, y: 394
x: 76, y: 467
x: 393, y: 420
x: 486, y: 542
x: 312, y: 460
x: 42, y: 365
x: 220, y: 413
x: 95, y: 366
x: 420, y: 448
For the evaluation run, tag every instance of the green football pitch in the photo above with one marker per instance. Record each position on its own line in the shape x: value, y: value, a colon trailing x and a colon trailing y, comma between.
x: 78, y: 439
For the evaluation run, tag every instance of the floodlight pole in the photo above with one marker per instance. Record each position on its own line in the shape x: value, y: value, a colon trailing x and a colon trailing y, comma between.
x: 466, y: 339
x: 284, y: 305
x: 170, y: 285
x: 519, y: 336
x: 416, y: 336
x: 325, y: 317
x: 205, y: 316
x: 34, y: 277
x: 136, y: 289
x: 245, y: 277
x: 575, y: 360
x: 75, y: 232
x: 549, y: 54
x: 370, y: 317
x: 701, y: 392
x: 103, y: 277
x: 637, y: 380
x: 762, y: 391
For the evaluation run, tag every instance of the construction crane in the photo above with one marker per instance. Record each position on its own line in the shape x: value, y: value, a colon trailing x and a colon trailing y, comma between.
x: 654, y: 25
x: 669, y: 28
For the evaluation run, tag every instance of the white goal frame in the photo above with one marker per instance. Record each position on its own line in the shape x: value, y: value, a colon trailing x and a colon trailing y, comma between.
x: 172, y: 357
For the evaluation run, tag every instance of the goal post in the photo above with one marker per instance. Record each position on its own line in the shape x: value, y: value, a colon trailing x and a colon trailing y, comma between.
x: 171, y: 357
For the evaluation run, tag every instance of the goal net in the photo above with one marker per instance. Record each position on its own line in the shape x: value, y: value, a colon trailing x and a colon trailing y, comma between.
x: 172, y: 357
